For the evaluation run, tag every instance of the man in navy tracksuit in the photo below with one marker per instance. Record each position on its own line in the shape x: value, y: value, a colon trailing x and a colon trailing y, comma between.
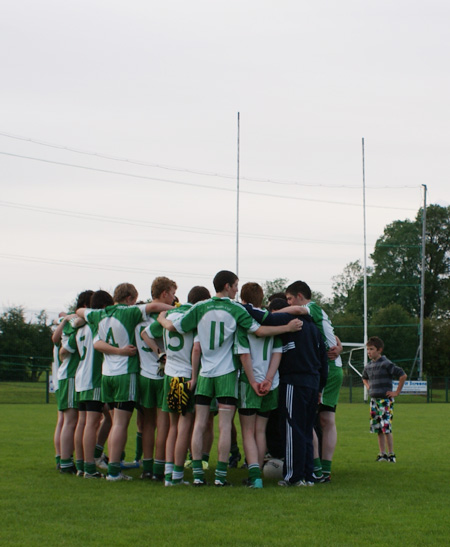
x: 303, y: 374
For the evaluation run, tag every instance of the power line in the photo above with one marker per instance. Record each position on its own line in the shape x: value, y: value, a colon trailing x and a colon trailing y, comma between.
x: 115, y: 267
x: 157, y: 179
x: 162, y: 226
x: 184, y: 169
x: 108, y: 267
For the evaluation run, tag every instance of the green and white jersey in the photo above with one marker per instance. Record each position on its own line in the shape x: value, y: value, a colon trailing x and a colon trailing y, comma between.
x: 216, y: 321
x: 68, y: 366
x: 178, y: 347
x: 323, y: 323
x: 89, y: 372
x: 117, y: 328
x: 148, y: 358
x: 260, y: 349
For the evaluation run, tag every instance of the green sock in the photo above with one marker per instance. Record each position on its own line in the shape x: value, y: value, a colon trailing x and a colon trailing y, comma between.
x: 221, y: 472
x: 58, y: 460
x: 158, y: 467
x: 98, y: 451
x: 205, y: 457
x: 65, y: 464
x: 80, y: 465
x: 138, y: 455
x: 114, y: 468
x: 317, y: 467
x: 89, y: 468
x: 254, y: 472
x: 147, y: 465
x: 326, y: 467
x: 197, y: 469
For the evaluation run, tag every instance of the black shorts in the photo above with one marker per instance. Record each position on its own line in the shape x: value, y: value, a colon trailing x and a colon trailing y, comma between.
x: 127, y: 405
x: 94, y: 406
x: 325, y: 408
x: 252, y: 411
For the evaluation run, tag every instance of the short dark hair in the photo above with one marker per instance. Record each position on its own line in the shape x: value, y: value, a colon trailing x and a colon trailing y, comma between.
x: 252, y: 293
x: 222, y: 278
x: 278, y: 304
x: 84, y: 299
x: 376, y: 342
x: 101, y: 299
x: 299, y: 287
x: 197, y: 294
x: 277, y: 295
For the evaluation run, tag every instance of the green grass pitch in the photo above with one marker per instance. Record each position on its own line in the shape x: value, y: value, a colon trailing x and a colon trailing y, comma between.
x: 366, y: 503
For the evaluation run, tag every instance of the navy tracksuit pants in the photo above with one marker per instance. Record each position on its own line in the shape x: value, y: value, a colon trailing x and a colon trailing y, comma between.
x: 298, y: 405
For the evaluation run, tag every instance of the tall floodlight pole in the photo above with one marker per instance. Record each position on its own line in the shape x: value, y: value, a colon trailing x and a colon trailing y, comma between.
x: 237, y: 195
x: 422, y: 280
x: 365, y: 253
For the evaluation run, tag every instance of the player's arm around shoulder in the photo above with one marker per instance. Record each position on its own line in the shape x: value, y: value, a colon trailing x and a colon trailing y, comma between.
x: 293, y: 326
x: 165, y: 323
x: 57, y: 335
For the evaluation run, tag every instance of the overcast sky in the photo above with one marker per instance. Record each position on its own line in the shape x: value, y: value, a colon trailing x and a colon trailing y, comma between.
x: 118, y: 138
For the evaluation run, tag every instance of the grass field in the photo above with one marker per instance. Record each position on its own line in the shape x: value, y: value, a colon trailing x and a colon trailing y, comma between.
x: 367, y: 502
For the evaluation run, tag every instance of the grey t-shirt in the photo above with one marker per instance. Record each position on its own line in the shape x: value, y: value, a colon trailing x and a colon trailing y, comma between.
x: 380, y: 374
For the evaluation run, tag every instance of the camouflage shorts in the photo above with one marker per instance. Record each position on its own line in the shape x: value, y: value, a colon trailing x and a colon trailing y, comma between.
x: 381, y: 415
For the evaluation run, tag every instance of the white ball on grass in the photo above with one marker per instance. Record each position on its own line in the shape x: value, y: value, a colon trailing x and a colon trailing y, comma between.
x: 273, y: 469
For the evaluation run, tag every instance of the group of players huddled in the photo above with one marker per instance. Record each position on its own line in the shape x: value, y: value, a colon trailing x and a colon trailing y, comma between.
x: 180, y: 365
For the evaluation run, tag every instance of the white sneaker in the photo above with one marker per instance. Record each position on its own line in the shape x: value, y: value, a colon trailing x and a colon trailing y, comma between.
x: 101, y: 462
x: 119, y: 477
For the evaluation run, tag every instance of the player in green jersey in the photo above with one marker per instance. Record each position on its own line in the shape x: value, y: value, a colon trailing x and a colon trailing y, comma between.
x: 58, y: 326
x: 181, y: 370
x: 151, y: 385
x: 88, y: 381
x: 67, y: 401
x: 260, y: 358
x: 217, y: 321
x: 299, y: 293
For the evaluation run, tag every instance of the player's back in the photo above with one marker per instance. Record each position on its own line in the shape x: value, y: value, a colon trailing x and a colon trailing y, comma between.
x: 117, y: 328
x: 216, y: 321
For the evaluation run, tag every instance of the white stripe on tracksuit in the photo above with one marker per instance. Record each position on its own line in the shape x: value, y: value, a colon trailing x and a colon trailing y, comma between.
x: 289, y: 440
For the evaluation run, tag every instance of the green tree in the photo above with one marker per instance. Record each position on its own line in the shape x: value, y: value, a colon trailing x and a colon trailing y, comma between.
x: 349, y: 327
x: 25, y: 347
x: 274, y: 286
x: 396, y: 276
x: 348, y: 290
x: 436, y: 347
x: 397, y: 264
